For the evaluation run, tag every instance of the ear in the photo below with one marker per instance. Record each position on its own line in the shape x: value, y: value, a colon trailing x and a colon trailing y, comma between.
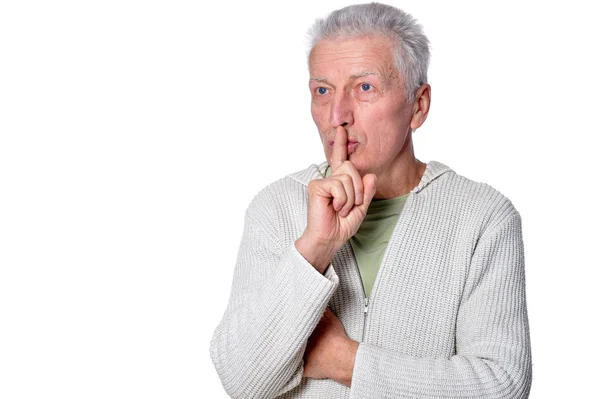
x: 421, y: 106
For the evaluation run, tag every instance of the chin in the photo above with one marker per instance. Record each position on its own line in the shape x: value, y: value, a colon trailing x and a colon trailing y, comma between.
x: 360, y: 165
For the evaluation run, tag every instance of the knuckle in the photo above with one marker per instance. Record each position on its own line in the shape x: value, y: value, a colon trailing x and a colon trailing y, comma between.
x: 313, y: 186
x: 337, y: 183
x: 345, y: 178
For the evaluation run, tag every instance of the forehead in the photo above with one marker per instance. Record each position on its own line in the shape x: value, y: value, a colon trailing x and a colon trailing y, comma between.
x: 352, y: 56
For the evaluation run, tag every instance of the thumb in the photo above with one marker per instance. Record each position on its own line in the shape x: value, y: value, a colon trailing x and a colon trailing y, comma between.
x: 370, y: 186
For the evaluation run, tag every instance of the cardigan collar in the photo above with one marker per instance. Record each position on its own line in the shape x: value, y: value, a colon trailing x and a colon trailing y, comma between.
x: 433, y: 170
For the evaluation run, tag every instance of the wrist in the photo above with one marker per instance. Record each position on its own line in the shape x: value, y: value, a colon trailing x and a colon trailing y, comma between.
x: 318, y: 254
x: 342, y: 367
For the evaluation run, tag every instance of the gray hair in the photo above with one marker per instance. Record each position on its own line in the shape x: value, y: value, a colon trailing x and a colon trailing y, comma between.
x: 412, y: 46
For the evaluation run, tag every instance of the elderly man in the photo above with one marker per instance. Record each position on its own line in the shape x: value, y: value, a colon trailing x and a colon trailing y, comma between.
x: 375, y: 275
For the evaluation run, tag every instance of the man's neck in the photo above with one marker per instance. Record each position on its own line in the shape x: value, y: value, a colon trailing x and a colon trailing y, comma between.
x: 403, y: 177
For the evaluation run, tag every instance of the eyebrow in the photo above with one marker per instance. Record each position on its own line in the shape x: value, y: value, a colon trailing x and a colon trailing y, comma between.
x: 362, y: 74
x: 354, y: 76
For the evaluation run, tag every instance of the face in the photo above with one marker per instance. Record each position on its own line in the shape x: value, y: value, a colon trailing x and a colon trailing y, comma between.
x: 354, y: 83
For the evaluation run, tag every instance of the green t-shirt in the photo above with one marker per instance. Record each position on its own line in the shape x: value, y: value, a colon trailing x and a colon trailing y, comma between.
x: 371, y: 239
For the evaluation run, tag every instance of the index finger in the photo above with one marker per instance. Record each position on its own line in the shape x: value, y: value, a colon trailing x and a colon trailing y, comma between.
x: 340, y: 148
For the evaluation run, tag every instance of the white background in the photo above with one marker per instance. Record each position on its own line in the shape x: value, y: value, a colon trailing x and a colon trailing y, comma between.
x: 133, y: 135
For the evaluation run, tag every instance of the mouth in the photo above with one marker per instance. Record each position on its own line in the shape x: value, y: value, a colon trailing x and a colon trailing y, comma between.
x: 352, y: 141
x: 352, y: 145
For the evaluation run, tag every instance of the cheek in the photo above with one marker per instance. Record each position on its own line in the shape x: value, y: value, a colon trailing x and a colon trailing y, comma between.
x: 390, y: 115
x: 320, y: 117
x: 316, y: 110
x: 384, y: 129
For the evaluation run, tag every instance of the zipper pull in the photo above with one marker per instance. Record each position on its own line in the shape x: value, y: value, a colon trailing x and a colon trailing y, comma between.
x: 366, y: 305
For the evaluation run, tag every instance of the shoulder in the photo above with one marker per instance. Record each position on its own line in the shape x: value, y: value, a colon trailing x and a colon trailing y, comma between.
x: 286, y: 198
x: 279, y: 210
x: 474, y: 201
x: 290, y: 187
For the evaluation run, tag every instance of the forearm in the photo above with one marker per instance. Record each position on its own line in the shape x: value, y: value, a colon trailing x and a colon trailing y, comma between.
x: 257, y: 349
x: 382, y: 373
x: 400, y: 375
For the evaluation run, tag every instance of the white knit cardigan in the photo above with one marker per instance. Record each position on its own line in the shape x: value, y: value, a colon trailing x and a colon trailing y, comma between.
x: 447, y: 316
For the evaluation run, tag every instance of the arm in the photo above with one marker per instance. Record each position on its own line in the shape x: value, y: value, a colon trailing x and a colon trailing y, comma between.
x: 276, y: 301
x: 279, y: 294
x: 493, y: 355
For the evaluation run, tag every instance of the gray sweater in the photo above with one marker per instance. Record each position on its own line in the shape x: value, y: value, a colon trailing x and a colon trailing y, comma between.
x: 447, y: 317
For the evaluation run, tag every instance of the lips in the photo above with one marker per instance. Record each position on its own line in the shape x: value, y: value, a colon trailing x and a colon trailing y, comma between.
x: 350, y: 142
x: 352, y: 146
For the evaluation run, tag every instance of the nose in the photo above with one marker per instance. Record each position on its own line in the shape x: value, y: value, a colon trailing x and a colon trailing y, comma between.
x: 341, y: 110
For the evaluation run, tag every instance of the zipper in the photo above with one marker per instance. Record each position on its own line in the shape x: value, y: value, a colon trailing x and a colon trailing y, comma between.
x: 365, y: 318
x: 381, y: 266
x: 365, y: 298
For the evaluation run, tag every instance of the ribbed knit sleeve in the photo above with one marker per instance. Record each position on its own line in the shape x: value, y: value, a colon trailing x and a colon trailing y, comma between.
x: 277, y: 299
x: 493, y: 358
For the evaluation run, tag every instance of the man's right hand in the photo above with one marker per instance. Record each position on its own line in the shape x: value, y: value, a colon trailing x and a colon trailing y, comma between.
x: 337, y: 206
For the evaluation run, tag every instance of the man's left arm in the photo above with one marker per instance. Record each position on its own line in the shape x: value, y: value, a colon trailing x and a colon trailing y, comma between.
x: 493, y: 354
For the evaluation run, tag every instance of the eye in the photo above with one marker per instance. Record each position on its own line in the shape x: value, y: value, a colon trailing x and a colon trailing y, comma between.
x: 322, y: 90
x: 365, y: 87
